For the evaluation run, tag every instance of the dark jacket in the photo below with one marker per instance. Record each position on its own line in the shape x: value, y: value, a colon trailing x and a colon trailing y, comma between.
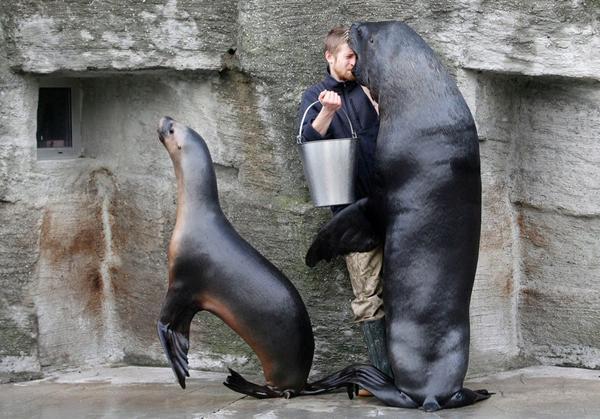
x: 364, y: 119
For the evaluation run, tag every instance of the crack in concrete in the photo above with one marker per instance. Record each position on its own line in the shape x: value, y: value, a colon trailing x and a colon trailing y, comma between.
x: 555, y: 210
x: 225, y: 407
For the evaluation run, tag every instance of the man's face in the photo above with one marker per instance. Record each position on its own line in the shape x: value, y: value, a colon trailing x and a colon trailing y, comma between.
x: 341, y: 63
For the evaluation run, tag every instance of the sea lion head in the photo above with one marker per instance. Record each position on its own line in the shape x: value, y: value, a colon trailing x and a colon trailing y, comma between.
x: 190, y: 155
x: 170, y: 135
x: 177, y: 137
x: 389, y: 56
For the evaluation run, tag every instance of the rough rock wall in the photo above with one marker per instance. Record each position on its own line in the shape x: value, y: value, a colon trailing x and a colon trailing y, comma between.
x: 556, y: 191
x: 83, y: 264
x: 544, y: 131
x: 19, y: 229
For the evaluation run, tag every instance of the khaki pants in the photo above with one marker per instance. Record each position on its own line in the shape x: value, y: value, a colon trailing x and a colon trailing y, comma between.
x: 365, y: 276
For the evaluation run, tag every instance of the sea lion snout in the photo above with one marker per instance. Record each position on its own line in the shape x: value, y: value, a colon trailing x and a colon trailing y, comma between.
x: 165, y: 127
x: 356, y: 37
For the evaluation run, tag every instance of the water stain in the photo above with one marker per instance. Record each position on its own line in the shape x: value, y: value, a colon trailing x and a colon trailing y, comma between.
x: 73, y: 250
x: 509, y: 286
x: 531, y: 296
x: 531, y: 233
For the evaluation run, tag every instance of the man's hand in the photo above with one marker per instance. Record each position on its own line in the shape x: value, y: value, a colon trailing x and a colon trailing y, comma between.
x: 331, y: 102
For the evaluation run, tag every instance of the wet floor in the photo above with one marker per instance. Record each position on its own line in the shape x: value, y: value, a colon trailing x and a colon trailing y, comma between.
x: 137, y: 392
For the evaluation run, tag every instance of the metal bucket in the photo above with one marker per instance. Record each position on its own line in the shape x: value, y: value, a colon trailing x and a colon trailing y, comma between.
x: 329, y: 167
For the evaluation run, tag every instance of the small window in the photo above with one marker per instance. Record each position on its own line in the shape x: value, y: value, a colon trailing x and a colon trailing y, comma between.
x: 58, y: 115
x: 54, y: 118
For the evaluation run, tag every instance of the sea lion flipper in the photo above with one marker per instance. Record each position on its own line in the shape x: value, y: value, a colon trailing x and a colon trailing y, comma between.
x: 466, y: 397
x: 238, y: 383
x: 175, y: 344
x: 333, y: 381
x: 371, y: 379
x: 350, y: 230
x: 382, y: 387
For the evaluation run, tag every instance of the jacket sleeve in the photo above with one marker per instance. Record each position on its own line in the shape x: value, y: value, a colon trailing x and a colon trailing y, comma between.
x: 308, y: 132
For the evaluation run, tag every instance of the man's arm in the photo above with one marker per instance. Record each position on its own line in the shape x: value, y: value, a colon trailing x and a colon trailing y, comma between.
x: 331, y: 102
x: 320, y: 118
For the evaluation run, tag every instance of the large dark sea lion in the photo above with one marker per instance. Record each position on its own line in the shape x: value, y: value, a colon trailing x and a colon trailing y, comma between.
x: 426, y: 210
x: 212, y: 268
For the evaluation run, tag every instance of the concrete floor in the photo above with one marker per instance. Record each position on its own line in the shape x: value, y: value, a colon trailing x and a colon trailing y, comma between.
x: 133, y: 392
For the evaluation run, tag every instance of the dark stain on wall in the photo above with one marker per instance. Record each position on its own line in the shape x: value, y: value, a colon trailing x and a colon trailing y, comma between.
x: 530, y: 296
x: 59, y: 246
x: 509, y: 286
x: 72, y: 245
x: 529, y: 232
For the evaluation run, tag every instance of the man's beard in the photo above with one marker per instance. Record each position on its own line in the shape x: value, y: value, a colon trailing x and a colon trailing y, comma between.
x: 349, y: 76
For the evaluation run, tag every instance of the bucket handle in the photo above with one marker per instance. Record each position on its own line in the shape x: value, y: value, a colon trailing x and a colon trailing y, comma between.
x: 299, y: 138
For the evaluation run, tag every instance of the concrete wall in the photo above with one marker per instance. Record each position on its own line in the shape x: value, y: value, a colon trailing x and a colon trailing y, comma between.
x: 545, y: 130
x: 82, y: 254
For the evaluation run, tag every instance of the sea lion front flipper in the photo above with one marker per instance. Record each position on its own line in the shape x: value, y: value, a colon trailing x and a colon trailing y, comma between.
x: 350, y: 230
x: 176, y: 345
x: 466, y: 397
x: 173, y: 327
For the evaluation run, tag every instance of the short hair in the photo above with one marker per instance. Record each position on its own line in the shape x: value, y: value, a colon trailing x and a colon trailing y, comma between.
x: 336, y: 37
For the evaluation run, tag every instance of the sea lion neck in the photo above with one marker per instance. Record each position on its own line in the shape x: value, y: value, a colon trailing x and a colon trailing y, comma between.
x: 196, y: 180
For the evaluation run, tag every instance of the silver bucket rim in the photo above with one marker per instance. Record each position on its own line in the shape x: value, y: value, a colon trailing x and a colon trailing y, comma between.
x: 299, y: 138
x: 330, y: 140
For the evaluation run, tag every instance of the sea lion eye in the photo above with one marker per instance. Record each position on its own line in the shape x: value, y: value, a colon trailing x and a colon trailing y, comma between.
x: 371, y: 40
x: 171, y: 131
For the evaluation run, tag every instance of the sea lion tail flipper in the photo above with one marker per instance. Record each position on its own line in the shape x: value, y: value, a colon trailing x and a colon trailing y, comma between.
x: 371, y: 379
x: 332, y: 382
x: 238, y: 383
x: 466, y: 397
x: 175, y: 344
x: 350, y: 230
x: 382, y: 387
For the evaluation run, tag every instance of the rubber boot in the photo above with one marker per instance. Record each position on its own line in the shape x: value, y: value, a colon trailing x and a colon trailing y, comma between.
x: 374, y: 332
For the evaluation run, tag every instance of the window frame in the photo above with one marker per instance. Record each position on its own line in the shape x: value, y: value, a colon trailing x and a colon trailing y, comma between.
x: 58, y: 153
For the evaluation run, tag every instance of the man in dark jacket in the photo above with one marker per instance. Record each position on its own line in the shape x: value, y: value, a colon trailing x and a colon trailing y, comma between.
x: 339, y: 91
